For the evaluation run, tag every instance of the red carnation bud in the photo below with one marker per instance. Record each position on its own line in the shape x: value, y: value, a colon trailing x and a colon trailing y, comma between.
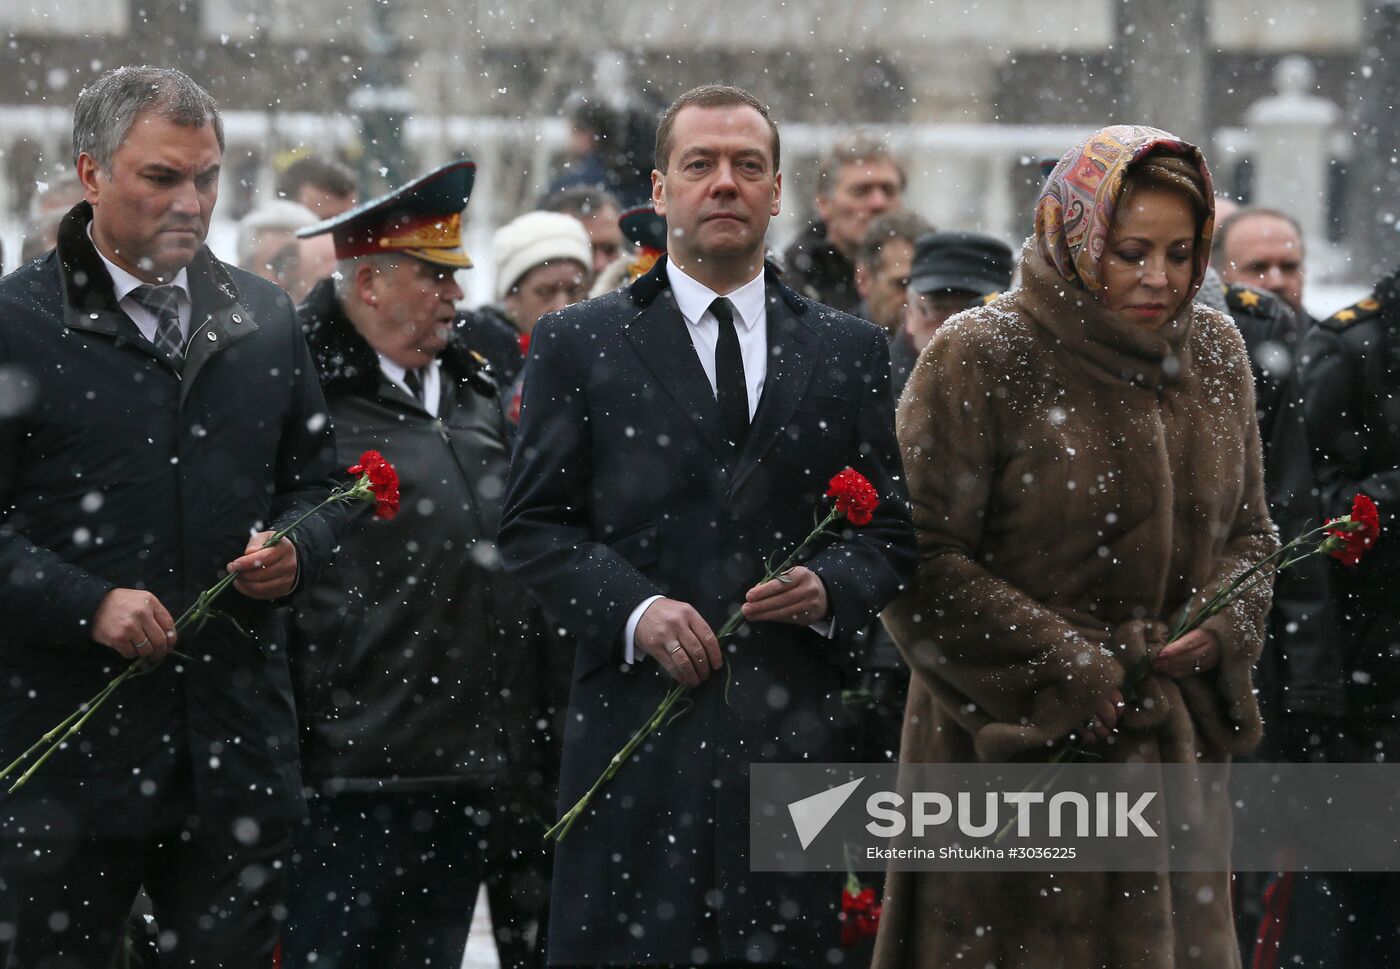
x: 855, y: 496
x: 1348, y: 541
x: 383, y: 482
x: 860, y: 915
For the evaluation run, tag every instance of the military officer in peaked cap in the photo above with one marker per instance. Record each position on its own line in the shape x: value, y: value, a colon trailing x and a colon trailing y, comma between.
x: 418, y: 667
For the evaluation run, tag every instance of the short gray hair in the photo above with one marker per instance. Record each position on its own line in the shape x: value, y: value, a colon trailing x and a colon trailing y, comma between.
x: 343, y: 279
x: 109, y: 106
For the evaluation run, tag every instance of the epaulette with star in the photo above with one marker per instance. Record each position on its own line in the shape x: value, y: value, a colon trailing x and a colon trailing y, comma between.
x: 1243, y: 299
x: 1362, y: 309
x: 482, y: 376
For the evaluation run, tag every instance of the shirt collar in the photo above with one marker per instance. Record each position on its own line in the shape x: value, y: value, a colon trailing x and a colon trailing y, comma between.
x: 694, y: 297
x: 123, y: 282
x: 396, y: 373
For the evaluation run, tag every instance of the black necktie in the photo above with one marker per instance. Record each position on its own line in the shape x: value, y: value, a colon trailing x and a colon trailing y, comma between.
x: 731, y: 389
x: 413, y: 379
x: 164, y: 304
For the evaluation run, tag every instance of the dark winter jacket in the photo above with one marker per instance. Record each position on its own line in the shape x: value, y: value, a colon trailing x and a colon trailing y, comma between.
x: 815, y: 268
x: 118, y: 471
x: 1300, y: 672
x: 489, y: 332
x: 418, y: 664
x: 1351, y: 388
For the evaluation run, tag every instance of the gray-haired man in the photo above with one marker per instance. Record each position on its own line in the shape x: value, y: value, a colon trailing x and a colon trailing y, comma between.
x: 161, y: 416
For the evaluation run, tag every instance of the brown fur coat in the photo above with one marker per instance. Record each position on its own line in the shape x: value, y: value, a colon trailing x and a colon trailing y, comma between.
x: 1074, y: 481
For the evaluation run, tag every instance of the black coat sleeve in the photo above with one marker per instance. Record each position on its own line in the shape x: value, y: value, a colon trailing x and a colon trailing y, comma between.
x: 545, y: 537
x: 1337, y: 379
x: 41, y: 594
x: 306, y: 468
x: 867, y: 568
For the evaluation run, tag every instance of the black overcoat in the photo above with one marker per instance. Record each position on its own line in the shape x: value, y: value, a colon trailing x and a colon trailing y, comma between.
x: 419, y: 665
x: 622, y: 487
x: 1350, y: 367
x: 117, y: 470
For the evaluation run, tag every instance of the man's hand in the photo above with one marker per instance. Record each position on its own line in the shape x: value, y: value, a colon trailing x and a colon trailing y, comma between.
x: 797, y: 596
x: 1196, y: 652
x: 675, y: 635
x: 265, y: 573
x: 135, y: 624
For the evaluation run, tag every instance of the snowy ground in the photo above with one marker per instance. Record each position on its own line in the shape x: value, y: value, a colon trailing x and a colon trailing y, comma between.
x: 481, y: 949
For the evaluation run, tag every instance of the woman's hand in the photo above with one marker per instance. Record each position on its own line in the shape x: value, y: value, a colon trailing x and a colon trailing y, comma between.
x: 1107, y: 709
x: 1196, y: 652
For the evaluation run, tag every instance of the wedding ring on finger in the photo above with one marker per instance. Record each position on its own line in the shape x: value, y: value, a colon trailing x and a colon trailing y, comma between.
x: 675, y: 648
x: 145, y: 643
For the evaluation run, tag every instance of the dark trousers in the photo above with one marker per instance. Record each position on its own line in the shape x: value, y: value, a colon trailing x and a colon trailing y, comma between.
x: 391, y: 880
x: 1335, y: 920
x: 1318, y: 920
x: 214, y: 889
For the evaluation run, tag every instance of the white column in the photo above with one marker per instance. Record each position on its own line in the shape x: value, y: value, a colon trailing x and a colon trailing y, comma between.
x: 1293, y: 131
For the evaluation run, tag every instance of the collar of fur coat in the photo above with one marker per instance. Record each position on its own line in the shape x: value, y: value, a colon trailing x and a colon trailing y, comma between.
x: 1115, y: 349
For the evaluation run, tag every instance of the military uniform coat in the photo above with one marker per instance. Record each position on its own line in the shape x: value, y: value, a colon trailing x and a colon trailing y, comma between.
x: 1351, y: 385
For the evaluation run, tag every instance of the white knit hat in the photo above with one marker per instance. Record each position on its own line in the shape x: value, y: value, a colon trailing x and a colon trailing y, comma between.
x: 536, y: 237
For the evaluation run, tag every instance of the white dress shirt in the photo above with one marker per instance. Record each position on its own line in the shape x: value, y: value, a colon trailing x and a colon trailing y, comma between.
x: 432, y: 381
x: 123, y: 283
x: 750, y: 302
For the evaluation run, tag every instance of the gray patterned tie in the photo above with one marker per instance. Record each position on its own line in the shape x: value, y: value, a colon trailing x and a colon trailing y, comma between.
x: 164, y: 302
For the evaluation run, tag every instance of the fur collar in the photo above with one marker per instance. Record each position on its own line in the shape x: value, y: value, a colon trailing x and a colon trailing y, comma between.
x: 347, y: 364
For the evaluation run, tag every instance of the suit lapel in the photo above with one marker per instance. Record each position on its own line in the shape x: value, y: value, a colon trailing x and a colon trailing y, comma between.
x: 662, y: 340
x: 792, y: 356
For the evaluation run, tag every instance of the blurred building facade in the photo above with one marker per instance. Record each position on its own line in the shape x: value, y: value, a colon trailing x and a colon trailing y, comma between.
x: 973, y: 92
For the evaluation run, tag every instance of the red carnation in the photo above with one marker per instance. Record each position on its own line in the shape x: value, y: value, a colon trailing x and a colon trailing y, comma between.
x: 1357, y: 531
x: 524, y: 339
x: 383, y: 482
x: 856, y: 497
x: 860, y: 915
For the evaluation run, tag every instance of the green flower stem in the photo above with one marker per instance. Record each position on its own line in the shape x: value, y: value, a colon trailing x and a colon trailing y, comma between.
x: 659, y: 716
x: 198, y: 611
x: 1045, y: 780
x: 1227, y: 593
x: 48, y: 738
x: 1188, y: 622
x: 74, y: 726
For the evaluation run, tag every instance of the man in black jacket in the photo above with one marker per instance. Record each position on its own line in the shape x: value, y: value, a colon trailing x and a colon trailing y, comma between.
x: 421, y: 674
x: 1301, y: 687
x: 161, y: 417
x: 673, y: 436
x: 1351, y: 389
x: 858, y: 179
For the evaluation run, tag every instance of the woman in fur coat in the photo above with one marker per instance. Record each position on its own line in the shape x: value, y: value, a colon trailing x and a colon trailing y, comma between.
x: 1083, y: 460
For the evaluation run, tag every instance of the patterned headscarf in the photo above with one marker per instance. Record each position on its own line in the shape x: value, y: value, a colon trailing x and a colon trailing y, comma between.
x: 1075, y: 211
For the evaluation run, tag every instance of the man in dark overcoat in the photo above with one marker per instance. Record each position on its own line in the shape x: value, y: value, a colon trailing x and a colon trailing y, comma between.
x: 1350, y: 367
x: 674, y: 435
x: 160, y: 419
x: 420, y: 666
